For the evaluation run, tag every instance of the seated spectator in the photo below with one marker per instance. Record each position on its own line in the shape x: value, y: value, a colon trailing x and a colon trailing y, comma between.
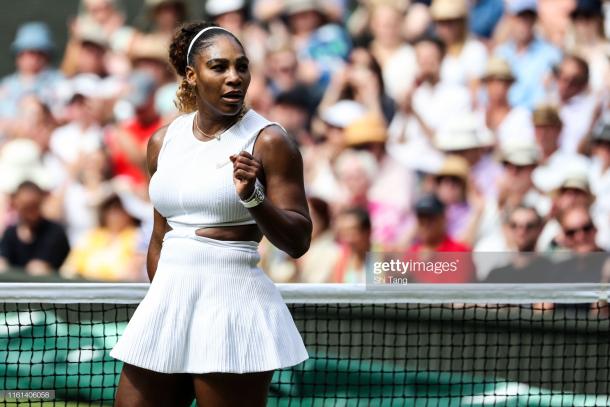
x: 467, y: 137
x: 127, y: 142
x: 353, y: 232
x: 466, y: 56
x: 531, y: 58
x: 319, y: 159
x: 432, y: 239
x: 360, y: 80
x: 587, y: 39
x: 396, y: 57
x: 554, y: 163
x: 321, y: 45
x: 429, y: 105
x: 600, y: 182
x: 451, y: 188
x: 34, y: 243
x: 33, y: 48
x: 577, y: 106
x: 508, y: 122
x: 588, y: 263
x: 524, y: 227
x: 390, y: 212
x: 574, y: 190
x: 108, y: 252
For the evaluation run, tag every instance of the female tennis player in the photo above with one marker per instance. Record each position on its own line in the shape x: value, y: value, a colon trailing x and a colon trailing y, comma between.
x: 212, y: 325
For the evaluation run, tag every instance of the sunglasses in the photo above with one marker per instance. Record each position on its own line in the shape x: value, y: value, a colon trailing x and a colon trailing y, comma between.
x: 529, y: 226
x: 573, y: 231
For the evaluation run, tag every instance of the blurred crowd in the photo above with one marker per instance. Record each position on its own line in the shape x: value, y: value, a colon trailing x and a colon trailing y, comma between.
x: 424, y: 126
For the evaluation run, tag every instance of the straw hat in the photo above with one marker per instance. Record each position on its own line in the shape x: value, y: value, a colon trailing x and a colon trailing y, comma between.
x: 454, y: 166
x: 448, y: 9
x: 368, y: 129
x: 546, y: 115
x: 498, y: 68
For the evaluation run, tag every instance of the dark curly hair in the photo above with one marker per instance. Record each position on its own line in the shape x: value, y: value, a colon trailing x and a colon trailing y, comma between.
x: 185, y: 96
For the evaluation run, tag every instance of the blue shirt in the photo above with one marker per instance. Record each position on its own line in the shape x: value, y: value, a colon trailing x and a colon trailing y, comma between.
x: 13, y: 89
x: 529, y: 68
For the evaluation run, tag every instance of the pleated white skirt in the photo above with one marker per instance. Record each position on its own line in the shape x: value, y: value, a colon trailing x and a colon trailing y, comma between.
x: 210, y: 308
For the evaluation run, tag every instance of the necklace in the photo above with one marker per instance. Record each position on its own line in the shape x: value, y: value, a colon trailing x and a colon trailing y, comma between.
x: 216, y: 136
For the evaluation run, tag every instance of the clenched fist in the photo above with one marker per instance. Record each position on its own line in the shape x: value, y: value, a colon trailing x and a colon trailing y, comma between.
x: 245, y: 170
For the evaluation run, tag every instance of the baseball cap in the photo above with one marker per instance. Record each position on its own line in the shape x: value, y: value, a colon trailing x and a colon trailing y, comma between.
x: 429, y: 205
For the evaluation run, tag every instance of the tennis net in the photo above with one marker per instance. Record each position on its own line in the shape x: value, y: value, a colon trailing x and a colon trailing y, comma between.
x: 426, y: 345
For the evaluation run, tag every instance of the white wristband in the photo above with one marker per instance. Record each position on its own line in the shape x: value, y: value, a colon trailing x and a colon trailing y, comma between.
x: 257, y: 197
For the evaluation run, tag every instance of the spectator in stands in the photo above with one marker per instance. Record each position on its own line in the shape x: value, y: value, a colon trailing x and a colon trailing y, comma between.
x: 108, y: 252
x: 319, y: 160
x: 524, y: 227
x: 396, y: 58
x: 531, y: 58
x: 599, y: 179
x: 127, y: 142
x: 508, y: 122
x: 432, y: 239
x: 32, y: 48
x: 390, y: 214
x: 34, y: 243
x: 468, y: 137
x: 466, y: 56
x: 577, y: 235
x: 353, y: 232
x: 426, y: 107
x: 321, y: 46
x: 587, y: 39
x: 578, y: 106
x: 516, y: 186
x: 574, y: 190
x: 451, y: 188
x: 553, y: 161
x: 360, y: 80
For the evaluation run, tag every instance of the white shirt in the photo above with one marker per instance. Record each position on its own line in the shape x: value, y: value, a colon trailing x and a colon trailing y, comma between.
x: 69, y: 141
x: 576, y: 116
x: 436, y: 105
x: 399, y: 72
x: 468, y: 65
x: 517, y: 125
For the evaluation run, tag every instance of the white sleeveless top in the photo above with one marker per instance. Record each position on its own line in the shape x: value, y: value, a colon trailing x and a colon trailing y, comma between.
x: 193, y: 184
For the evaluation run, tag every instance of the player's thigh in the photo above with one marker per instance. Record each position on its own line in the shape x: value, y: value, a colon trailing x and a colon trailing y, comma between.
x: 232, y: 390
x: 145, y: 388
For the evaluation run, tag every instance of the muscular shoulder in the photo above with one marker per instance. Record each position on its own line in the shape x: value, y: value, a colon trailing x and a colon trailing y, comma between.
x: 274, y: 143
x: 153, y: 148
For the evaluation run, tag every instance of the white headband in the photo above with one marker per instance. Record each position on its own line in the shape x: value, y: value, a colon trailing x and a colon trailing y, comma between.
x: 199, y: 35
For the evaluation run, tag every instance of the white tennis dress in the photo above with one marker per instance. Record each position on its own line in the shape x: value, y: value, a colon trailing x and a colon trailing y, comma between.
x: 209, y: 307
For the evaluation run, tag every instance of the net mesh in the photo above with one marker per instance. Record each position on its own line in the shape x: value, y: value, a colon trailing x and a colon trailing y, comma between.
x: 383, y: 353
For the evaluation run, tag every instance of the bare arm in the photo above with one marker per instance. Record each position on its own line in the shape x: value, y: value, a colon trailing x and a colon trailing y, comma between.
x: 283, y: 216
x: 160, y: 226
